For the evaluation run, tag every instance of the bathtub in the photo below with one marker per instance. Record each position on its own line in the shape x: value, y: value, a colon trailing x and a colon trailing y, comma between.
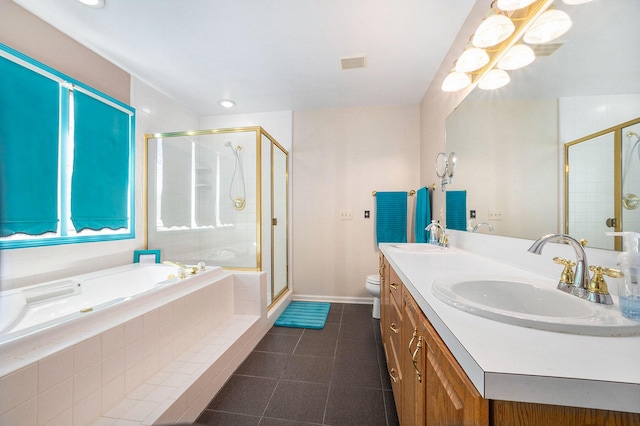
x: 38, y: 308
x: 81, y: 349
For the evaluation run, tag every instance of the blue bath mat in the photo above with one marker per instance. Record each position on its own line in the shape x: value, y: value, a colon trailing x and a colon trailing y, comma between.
x: 304, y: 315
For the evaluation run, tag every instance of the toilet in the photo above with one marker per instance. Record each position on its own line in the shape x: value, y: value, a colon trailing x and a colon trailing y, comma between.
x: 373, y: 285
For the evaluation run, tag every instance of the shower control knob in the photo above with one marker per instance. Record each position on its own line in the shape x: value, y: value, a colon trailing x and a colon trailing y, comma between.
x: 611, y: 222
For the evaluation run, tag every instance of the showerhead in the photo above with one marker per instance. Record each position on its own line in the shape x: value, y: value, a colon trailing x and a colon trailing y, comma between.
x: 630, y: 133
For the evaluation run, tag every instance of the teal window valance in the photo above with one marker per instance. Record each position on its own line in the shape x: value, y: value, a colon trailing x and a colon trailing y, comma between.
x: 66, y: 158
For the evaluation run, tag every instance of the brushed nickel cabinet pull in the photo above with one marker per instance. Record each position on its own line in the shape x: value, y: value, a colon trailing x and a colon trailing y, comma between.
x: 393, y: 327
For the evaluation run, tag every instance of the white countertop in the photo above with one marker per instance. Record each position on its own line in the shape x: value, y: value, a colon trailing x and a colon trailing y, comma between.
x: 508, y: 362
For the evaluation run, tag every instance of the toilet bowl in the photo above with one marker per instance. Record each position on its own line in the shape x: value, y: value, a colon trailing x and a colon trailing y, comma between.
x: 373, y: 286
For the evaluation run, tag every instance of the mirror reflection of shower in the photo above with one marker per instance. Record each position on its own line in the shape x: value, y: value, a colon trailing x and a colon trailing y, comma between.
x: 630, y: 201
x: 237, y: 188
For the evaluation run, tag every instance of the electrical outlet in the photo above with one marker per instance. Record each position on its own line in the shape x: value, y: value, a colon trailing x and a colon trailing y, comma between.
x: 495, y: 214
x: 346, y: 215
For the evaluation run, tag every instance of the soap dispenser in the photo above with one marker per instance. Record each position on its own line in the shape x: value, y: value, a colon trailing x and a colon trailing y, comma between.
x: 433, y: 233
x: 629, y: 263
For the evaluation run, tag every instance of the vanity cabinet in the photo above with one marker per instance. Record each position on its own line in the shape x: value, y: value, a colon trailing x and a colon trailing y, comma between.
x: 430, y: 387
x: 391, y: 325
x: 435, y: 390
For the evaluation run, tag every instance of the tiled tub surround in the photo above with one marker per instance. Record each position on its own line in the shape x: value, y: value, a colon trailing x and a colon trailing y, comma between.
x: 38, y: 308
x: 508, y: 362
x: 156, y: 360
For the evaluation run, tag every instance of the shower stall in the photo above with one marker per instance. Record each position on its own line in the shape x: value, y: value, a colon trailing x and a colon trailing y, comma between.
x: 602, y: 184
x: 219, y: 196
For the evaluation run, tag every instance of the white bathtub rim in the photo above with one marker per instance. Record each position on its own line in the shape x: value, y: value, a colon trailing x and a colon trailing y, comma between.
x: 31, y: 348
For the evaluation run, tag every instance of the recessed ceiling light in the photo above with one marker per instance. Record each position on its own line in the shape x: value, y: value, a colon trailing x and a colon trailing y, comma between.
x: 226, y: 103
x: 98, y: 4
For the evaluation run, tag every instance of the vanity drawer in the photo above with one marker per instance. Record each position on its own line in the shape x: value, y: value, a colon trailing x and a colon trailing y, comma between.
x: 395, y: 326
x: 395, y: 287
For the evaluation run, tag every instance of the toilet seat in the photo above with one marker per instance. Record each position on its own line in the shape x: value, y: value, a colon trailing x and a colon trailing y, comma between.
x: 373, y: 279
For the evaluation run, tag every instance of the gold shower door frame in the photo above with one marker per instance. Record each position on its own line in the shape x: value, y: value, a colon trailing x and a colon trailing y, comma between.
x: 274, y: 145
x: 617, y: 170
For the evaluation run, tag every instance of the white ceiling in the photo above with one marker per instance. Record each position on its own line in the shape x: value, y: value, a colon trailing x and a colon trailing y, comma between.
x: 268, y: 55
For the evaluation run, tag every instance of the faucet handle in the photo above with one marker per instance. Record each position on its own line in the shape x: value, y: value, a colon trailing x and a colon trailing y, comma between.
x: 567, y: 277
x: 598, y: 290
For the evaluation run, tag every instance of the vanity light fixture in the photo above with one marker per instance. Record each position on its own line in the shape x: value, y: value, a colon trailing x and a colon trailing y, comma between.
x: 473, y: 58
x: 549, y: 26
x: 96, y: 4
x: 511, y: 5
x: 518, y: 56
x: 494, y: 79
x: 455, y: 80
x: 500, y: 35
x: 226, y: 103
x: 494, y: 29
x: 574, y: 2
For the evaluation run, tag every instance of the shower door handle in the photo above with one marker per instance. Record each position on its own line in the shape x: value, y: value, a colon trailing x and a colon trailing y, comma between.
x: 611, y: 222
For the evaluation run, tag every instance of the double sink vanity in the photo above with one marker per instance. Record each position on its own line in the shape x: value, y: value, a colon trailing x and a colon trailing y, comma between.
x: 478, y: 334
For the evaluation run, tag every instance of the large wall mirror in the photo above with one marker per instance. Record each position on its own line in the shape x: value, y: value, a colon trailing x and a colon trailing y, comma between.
x: 510, y: 142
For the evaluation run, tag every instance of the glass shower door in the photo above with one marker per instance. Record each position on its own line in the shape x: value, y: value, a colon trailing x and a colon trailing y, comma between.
x: 279, y: 224
x: 590, y: 207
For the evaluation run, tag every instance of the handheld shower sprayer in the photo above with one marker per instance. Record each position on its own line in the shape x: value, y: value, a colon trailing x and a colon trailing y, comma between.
x: 630, y: 201
x: 238, y: 202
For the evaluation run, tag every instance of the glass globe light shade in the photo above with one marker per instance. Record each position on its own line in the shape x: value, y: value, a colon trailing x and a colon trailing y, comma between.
x: 494, y: 79
x: 472, y: 59
x: 493, y: 30
x: 98, y: 4
x: 549, y: 26
x: 455, y: 81
x: 510, y: 5
x: 518, y: 56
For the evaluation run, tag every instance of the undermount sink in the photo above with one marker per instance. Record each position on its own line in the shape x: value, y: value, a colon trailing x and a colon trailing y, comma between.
x: 520, y: 302
x: 423, y: 248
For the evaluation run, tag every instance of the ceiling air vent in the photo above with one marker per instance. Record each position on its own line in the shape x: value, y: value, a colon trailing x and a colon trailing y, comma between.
x: 546, y: 49
x: 352, y: 62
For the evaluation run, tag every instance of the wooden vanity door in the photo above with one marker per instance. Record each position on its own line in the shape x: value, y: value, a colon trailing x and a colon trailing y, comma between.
x: 451, y: 398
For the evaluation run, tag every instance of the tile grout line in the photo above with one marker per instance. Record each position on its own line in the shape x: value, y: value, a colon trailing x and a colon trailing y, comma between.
x: 333, y: 366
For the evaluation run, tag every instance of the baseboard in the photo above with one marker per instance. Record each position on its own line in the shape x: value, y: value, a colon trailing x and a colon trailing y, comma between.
x: 333, y: 299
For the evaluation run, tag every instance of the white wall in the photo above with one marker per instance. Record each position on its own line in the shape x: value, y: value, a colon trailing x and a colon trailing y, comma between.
x: 341, y: 156
x: 436, y: 105
x: 278, y: 124
x: 490, y: 166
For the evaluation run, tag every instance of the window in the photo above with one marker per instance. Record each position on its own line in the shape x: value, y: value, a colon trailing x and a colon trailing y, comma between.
x: 67, y: 158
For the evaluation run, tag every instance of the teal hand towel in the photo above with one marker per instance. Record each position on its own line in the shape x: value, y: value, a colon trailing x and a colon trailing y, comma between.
x: 391, y: 217
x: 456, y: 210
x: 423, y: 214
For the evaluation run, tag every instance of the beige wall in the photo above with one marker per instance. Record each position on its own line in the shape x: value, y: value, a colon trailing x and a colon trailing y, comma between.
x: 339, y: 157
x: 436, y: 105
x: 28, y: 34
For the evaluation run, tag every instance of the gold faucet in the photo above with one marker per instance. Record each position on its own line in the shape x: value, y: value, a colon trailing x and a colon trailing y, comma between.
x: 191, y: 270
x: 598, y: 290
x: 567, y: 277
